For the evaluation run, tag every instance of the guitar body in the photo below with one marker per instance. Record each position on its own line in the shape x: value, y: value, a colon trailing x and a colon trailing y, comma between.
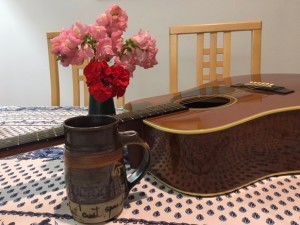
x: 220, y: 162
x: 239, y: 137
x: 208, y: 140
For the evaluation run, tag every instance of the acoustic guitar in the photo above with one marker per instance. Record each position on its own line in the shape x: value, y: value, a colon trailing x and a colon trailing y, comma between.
x: 213, y: 139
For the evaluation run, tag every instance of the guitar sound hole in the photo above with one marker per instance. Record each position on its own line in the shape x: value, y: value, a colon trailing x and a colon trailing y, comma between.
x: 205, y: 102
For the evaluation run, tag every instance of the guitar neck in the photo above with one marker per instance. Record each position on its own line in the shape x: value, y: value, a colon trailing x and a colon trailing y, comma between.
x: 31, y: 141
x: 54, y: 136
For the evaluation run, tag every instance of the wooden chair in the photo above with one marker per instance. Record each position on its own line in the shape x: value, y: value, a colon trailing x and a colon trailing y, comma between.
x: 78, y: 77
x: 213, y: 51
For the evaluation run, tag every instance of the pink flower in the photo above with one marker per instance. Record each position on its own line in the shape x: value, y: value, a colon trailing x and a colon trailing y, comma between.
x: 117, y: 41
x: 114, y: 19
x: 146, y: 50
x: 65, y: 45
x: 102, y: 43
x: 98, y: 32
x: 102, y: 20
x: 87, y: 51
x: 104, y: 49
x: 80, y: 30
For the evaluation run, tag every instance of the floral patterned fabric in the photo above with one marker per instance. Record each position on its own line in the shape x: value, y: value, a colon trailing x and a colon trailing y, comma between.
x: 32, y: 187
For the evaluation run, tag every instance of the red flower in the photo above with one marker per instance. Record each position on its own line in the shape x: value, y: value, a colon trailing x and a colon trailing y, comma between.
x: 91, y: 72
x: 106, y: 81
x: 121, y: 80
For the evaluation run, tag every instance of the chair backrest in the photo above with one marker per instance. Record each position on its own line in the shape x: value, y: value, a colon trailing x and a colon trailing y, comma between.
x: 78, y: 77
x: 213, y: 51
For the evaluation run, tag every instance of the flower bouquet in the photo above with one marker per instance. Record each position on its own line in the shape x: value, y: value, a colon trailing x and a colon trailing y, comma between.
x: 112, y: 60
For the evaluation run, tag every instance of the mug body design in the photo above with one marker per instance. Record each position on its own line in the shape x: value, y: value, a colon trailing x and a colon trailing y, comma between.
x: 95, y: 175
x: 96, y: 193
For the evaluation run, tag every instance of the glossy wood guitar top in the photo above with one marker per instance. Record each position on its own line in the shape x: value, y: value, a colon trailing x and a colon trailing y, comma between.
x: 243, y: 105
x: 233, y: 137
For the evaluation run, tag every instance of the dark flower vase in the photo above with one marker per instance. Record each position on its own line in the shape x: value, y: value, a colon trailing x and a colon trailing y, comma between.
x: 98, y: 108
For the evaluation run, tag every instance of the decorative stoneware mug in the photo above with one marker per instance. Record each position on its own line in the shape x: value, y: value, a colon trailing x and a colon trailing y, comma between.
x: 95, y: 175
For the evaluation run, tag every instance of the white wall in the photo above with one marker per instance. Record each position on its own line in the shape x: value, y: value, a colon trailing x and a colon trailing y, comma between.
x: 24, y: 73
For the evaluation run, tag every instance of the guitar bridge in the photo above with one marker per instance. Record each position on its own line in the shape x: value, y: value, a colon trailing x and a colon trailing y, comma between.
x: 263, y: 86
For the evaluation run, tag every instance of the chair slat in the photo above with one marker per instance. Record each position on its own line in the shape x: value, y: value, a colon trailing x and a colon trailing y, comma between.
x: 207, y: 51
x: 200, y: 59
x: 213, y: 56
x: 218, y: 68
x: 174, y: 61
x: 227, y: 54
x: 256, y: 52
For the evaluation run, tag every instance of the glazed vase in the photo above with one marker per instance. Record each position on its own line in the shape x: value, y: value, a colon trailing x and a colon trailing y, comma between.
x: 98, y: 108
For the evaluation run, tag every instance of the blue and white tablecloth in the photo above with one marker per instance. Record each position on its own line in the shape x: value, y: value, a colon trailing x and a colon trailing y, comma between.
x: 32, y: 187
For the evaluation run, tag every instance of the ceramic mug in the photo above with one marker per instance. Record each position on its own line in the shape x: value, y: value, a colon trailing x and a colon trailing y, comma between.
x: 95, y: 175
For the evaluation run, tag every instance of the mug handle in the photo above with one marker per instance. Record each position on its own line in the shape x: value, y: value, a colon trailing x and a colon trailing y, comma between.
x: 129, y: 138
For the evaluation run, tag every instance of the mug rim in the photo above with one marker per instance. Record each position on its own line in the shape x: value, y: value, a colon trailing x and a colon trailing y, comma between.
x: 90, y: 118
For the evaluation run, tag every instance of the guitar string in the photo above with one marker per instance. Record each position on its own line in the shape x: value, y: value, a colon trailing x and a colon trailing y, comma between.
x: 193, y: 99
x: 154, y: 110
x: 30, y: 137
x: 44, y: 134
x: 26, y: 138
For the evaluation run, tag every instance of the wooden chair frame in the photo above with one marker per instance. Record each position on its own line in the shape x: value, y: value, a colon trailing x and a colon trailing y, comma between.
x: 77, y: 78
x: 227, y: 28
